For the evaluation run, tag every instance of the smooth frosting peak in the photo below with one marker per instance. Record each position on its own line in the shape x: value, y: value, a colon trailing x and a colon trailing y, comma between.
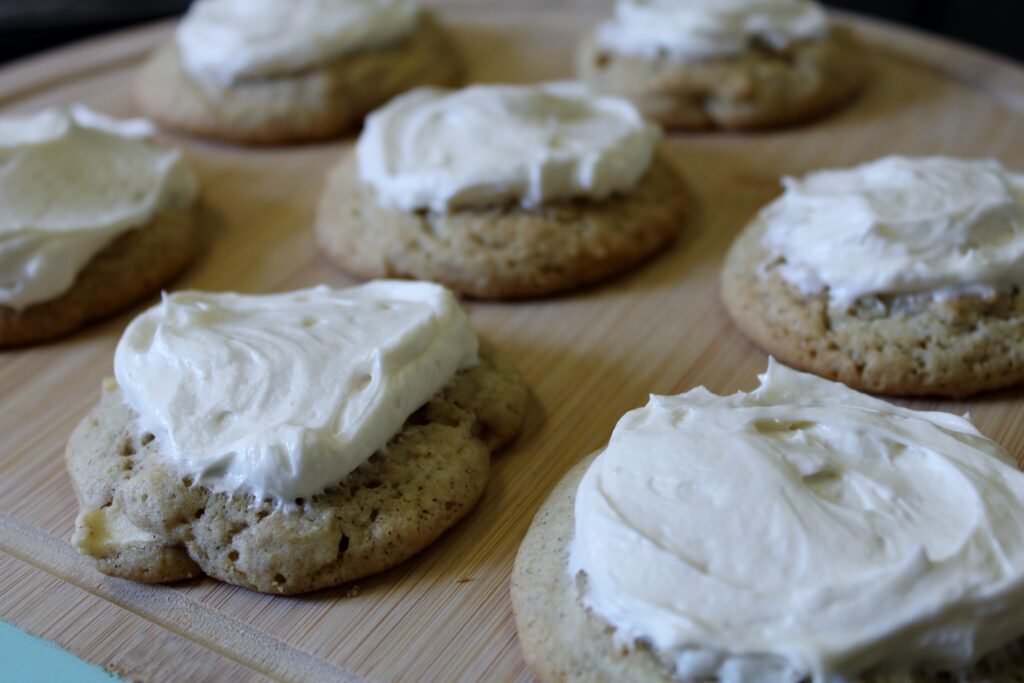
x: 225, y: 41
x: 688, y: 30
x: 491, y: 144
x: 70, y: 182
x: 283, y: 395
x: 899, y: 225
x: 802, y: 530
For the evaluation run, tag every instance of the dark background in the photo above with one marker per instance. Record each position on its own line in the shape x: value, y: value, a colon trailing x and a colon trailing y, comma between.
x: 28, y: 26
x: 994, y: 24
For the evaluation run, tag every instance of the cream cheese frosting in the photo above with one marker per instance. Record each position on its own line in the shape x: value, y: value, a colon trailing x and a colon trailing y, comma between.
x: 283, y: 395
x: 226, y: 41
x: 71, y: 181
x: 691, y: 30
x: 485, y: 145
x: 803, y: 530
x: 899, y: 226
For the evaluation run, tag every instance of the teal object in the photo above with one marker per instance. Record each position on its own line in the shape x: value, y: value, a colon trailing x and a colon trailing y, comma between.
x: 28, y: 659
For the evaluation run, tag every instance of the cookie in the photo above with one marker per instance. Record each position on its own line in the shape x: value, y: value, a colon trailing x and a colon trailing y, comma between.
x: 760, y: 88
x: 500, y: 252
x: 132, y: 267
x: 564, y: 642
x: 140, y: 520
x: 898, y: 345
x: 310, y: 105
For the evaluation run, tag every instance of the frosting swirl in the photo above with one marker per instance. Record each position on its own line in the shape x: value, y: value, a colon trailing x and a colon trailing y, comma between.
x: 801, y: 530
x: 902, y: 226
x: 70, y: 182
x: 690, y: 30
x: 227, y: 41
x: 486, y: 145
x: 283, y: 395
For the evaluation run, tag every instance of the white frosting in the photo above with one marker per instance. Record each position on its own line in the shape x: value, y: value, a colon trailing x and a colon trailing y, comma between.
x: 801, y: 530
x: 485, y: 145
x: 689, y: 30
x: 70, y: 182
x: 226, y: 41
x: 899, y: 226
x: 283, y: 395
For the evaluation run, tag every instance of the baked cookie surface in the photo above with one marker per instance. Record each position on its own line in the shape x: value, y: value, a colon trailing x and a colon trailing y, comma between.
x: 135, y: 265
x: 563, y: 642
x: 503, y: 252
x: 899, y: 345
x: 760, y: 88
x: 140, y: 520
x: 309, y: 105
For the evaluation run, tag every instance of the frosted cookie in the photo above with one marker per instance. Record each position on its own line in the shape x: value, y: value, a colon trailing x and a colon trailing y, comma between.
x: 501, y: 191
x: 738, y: 64
x: 900, y: 276
x: 289, y: 442
x: 93, y: 217
x: 801, y: 532
x: 280, y: 71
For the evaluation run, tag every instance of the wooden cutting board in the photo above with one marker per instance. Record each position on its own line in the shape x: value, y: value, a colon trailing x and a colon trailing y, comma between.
x: 589, y: 357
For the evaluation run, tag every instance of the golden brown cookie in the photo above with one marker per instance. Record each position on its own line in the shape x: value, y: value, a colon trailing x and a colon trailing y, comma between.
x: 501, y: 252
x: 760, y: 88
x: 130, y: 268
x: 899, y: 345
x: 565, y: 643
x: 141, y: 520
x: 309, y: 105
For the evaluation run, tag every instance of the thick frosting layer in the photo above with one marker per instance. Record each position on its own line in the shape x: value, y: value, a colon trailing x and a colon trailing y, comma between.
x: 689, y: 30
x: 485, y: 145
x: 226, y: 41
x: 899, y: 226
x: 70, y: 182
x: 801, y: 530
x: 283, y: 395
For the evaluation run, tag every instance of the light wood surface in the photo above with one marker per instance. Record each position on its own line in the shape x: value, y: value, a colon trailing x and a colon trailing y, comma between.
x: 590, y: 357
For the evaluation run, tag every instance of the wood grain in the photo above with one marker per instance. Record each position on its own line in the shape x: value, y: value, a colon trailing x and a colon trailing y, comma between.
x: 590, y: 357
